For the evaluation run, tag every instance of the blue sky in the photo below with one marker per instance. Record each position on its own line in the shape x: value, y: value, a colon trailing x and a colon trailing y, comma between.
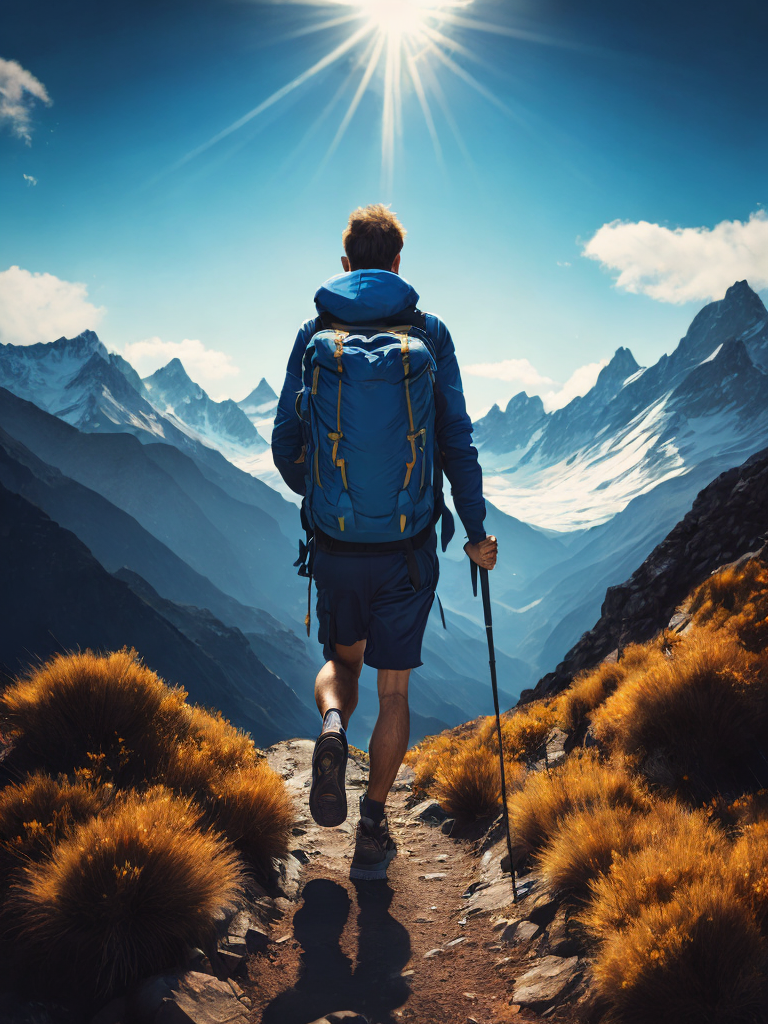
x: 635, y: 112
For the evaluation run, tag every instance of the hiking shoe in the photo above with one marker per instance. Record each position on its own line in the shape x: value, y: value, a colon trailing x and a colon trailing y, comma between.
x: 327, y: 797
x: 374, y: 849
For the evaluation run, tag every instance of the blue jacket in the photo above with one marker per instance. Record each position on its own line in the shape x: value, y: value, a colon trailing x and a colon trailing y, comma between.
x: 361, y: 297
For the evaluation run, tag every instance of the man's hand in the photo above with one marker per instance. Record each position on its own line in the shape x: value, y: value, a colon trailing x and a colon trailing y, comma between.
x: 484, y: 553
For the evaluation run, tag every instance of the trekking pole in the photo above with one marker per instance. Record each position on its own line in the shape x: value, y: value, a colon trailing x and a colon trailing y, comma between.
x: 486, y: 593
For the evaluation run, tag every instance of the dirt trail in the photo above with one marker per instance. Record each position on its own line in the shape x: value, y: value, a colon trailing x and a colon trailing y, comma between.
x: 368, y: 946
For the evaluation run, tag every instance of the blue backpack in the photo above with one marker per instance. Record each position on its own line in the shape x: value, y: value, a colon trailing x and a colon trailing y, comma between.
x: 368, y: 407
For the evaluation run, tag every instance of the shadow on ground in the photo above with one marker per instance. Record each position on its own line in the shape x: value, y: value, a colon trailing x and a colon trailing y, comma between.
x: 328, y: 980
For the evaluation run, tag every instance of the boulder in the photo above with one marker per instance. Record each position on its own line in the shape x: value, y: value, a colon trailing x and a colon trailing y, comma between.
x: 547, y: 982
x: 429, y: 810
x: 201, y: 999
x: 519, y: 932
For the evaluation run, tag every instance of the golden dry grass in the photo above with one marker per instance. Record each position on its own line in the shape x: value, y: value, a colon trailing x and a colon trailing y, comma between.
x: 736, y: 598
x: 124, y: 896
x: 468, y: 785
x: 581, y: 781
x: 676, y: 846
x: 591, y: 688
x: 109, y: 717
x: 254, y: 811
x: 698, y: 958
x: 703, y: 711
x: 426, y: 757
x: 525, y: 730
x: 585, y: 844
x: 37, y: 813
x: 748, y: 868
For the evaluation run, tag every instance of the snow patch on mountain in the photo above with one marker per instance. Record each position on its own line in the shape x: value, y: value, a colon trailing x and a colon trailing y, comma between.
x: 577, y: 467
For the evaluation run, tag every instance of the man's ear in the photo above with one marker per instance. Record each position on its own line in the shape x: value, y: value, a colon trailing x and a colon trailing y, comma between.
x: 345, y: 263
x: 396, y: 264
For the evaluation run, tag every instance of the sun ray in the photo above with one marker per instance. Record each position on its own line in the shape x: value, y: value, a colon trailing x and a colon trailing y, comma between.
x: 321, y: 65
x: 472, y: 82
x: 418, y: 88
x: 331, y: 105
x: 354, y: 104
x: 445, y: 107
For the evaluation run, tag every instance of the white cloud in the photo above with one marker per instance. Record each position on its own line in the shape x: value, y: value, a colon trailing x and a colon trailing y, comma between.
x: 524, y: 375
x: 579, y: 383
x: 42, y: 307
x: 201, y: 363
x: 514, y: 371
x: 18, y: 91
x: 30, y: 179
x: 683, y: 264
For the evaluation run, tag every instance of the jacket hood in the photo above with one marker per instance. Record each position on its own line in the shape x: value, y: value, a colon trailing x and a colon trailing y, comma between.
x: 364, y: 295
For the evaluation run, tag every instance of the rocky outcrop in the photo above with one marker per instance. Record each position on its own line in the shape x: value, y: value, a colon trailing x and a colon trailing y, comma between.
x: 728, y: 519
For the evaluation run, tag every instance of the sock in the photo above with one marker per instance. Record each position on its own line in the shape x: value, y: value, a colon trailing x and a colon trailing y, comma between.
x: 373, y: 809
x: 332, y: 721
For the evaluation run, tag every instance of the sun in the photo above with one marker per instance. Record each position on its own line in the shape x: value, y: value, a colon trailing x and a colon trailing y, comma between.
x: 398, y: 19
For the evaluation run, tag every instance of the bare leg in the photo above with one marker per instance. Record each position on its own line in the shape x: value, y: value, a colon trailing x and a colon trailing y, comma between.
x: 336, y: 684
x: 389, y: 741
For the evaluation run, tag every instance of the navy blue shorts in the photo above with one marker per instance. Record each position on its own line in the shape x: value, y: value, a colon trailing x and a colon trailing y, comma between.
x: 371, y: 597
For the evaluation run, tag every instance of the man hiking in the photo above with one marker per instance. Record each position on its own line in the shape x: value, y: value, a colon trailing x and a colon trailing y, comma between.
x: 370, y: 417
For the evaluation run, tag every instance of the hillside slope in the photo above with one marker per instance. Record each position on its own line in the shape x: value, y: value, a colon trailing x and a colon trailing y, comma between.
x: 57, y: 597
x: 728, y: 518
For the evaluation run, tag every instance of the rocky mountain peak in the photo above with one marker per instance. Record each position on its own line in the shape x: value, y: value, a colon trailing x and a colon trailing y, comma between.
x: 611, y: 377
x: 82, y: 347
x: 523, y: 403
x: 261, y: 395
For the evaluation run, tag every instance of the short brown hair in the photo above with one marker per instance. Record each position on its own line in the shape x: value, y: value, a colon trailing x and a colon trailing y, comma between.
x: 373, y: 238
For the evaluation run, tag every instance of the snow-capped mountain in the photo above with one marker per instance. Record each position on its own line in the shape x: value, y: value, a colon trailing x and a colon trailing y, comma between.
x: 223, y: 425
x: 99, y: 391
x: 260, y: 407
x: 580, y: 465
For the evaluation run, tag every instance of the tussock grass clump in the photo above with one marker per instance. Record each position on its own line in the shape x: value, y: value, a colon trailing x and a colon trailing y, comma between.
x: 698, y: 958
x: 736, y: 598
x: 124, y: 895
x: 525, y: 730
x: 425, y: 759
x: 254, y: 811
x: 677, y: 846
x: 591, y: 688
x: 748, y: 867
x: 37, y: 813
x: 703, y: 711
x: 584, y: 845
x: 108, y: 717
x: 468, y: 785
x: 582, y: 780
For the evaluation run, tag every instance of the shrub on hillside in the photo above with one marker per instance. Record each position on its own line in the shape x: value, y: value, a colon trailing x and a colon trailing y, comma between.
x: 748, y: 868
x: 582, y: 780
x: 591, y: 688
x: 677, y: 846
x: 525, y: 729
x: 468, y: 784
x: 736, y: 597
x: 425, y: 759
x: 698, y: 958
x: 123, y: 896
x: 254, y: 811
x: 37, y: 813
x: 697, y: 717
x: 585, y: 844
x: 109, y: 717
